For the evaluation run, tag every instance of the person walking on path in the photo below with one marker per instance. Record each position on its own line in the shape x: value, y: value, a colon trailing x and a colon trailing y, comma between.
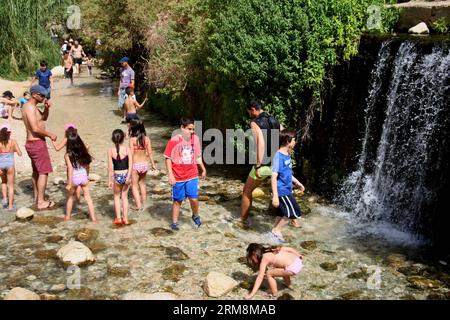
x: 126, y: 80
x: 36, y: 147
x: 264, y: 129
x: 78, y: 54
x: 68, y: 66
x: 45, y: 79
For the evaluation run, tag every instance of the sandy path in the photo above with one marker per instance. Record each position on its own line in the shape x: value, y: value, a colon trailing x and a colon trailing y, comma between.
x: 92, y: 106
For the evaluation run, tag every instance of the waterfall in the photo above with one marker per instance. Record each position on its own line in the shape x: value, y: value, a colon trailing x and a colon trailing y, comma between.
x: 398, y: 181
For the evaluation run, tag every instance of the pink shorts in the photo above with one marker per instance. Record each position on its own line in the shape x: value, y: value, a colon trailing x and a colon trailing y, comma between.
x: 295, y: 266
x: 140, y: 167
x: 40, y: 158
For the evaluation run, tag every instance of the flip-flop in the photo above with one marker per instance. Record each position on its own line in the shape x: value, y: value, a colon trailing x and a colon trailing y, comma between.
x: 126, y: 222
x: 117, y: 222
x: 49, y: 207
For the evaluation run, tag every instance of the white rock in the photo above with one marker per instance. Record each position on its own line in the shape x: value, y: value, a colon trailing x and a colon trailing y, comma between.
x: 94, y: 177
x: 218, y: 284
x: 136, y: 295
x: 31, y: 278
x: 421, y: 28
x: 24, y: 213
x: 58, y: 71
x: 58, y: 180
x: 21, y: 294
x: 58, y: 287
x: 75, y: 253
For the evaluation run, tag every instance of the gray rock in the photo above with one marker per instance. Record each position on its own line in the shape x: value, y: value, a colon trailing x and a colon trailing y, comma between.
x: 24, y: 214
x: 218, y: 284
x: 21, y: 294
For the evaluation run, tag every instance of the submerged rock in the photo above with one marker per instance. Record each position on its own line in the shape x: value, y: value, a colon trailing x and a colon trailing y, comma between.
x: 174, y: 272
x: 21, y: 294
x: 161, y: 232
x: 413, y: 270
x: 75, y: 253
x: 352, y: 295
x: 286, y: 296
x: 176, y: 254
x: 82, y: 293
x: 50, y: 221
x: 329, y: 266
x: 45, y: 254
x: 309, y: 244
x: 423, y: 283
x: 58, y: 287
x: 54, y: 239
x: 218, y: 284
x: 396, y: 260
x: 24, y: 214
x: 119, y: 271
x: 86, y: 235
x: 97, y: 246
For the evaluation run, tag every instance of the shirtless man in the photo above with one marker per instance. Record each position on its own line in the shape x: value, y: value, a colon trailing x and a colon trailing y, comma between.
x: 36, y: 147
x: 131, y: 106
x: 77, y: 53
x: 68, y: 66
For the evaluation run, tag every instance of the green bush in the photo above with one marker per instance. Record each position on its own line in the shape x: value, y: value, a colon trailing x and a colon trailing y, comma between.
x: 441, y: 25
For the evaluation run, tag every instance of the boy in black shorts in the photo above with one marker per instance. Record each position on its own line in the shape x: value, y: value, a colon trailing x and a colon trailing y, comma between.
x: 282, y: 180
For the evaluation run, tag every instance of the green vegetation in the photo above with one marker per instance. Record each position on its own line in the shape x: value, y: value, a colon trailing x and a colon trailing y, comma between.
x: 25, y: 37
x: 442, y: 25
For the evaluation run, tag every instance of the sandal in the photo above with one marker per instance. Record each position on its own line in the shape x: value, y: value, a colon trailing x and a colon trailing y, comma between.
x: 117, y: 222
x: 125, y: 222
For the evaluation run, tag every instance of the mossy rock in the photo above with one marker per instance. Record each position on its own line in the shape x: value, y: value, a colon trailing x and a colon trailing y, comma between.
x: 48, y: 296
x: 423, y: 283
x: 176, y: 254
x: 19, y: 261
x: 329, y: 266
x: 408, y: 297
x: 97, y: 246
x: 245, y: 285
x: 304, y: 208
x: 437, y: 296
x: 161, y: 232
x: 229, y: 235
x: 352, y: 295
x: 117, y: 271
x: 50, y: 221
x: 309, y: 244
x: 46, y: 254
x: 82, y: 293
x: 86, y: 235
x: 15, y: 280
x: 360, y: 274
x: 242, y: 260
x: 286, y: 296
x: 54, y: 238
x: 445, y: 278
x: 413, y: 270
x: 174, y: 272
x: 395, y: 260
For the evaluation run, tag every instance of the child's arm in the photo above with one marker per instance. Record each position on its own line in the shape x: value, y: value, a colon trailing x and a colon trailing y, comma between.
x: 172, y: 180
x: 130, y: 166
x: 297, y: 183
x: 273, y: 181
x: 139, y: 106
x: 110, y: 169
x: 16, y: 148
x: 202, y: 166
x: 69, y: 171
x: 259, y: 278
x: 150, y: 153
x: 58, y: 147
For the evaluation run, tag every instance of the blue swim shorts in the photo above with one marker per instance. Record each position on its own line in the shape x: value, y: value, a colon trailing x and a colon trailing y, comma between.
x: 186, y: 189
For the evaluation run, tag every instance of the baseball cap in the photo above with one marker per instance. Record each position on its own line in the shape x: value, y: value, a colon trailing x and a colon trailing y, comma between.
x: 5, y: 125
x: 38, y: 89
x: 69, y: 125
x: 124, y: 59
x: 8, y: 94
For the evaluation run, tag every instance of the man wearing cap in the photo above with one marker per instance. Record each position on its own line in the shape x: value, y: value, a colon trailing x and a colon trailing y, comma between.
x: 126, y: 80
x: 34, y: 120
x: 7, y: 102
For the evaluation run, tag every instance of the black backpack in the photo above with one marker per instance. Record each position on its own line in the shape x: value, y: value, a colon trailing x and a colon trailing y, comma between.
x: 268, y: 122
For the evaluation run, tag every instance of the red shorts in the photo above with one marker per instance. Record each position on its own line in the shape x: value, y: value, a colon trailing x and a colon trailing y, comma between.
x: 40, y: 158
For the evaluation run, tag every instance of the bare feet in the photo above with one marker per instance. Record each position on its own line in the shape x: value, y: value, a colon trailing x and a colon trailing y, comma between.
x: 295, y: 223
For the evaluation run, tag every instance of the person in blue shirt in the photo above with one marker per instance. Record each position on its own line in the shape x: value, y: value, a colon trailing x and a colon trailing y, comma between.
x: 282, y: 180
x: 45, y: 78
x: 25, y: 98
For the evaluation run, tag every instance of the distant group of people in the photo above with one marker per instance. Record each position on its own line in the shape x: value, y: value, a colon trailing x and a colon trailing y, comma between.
x: 130, y: 161
x: 73, y: 55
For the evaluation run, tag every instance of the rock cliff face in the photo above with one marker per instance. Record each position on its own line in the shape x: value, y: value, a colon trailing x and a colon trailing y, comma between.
x: 414, y: 12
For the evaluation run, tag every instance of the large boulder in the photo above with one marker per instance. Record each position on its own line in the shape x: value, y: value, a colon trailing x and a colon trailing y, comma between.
x: 75, y: 253
x: 58, y: 71
x: 136, y: 295
x: 218, y: 284
x: 421, y: 28
x: 24, y: 214
x: 21, y: 294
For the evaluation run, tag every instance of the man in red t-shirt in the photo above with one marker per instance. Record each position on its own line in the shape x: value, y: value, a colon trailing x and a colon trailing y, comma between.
x: 183, y: 154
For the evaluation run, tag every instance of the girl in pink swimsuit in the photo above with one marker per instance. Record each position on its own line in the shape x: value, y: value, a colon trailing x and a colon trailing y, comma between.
x: 141, y: 152
x: 273, y: 262
x: 78, y: 160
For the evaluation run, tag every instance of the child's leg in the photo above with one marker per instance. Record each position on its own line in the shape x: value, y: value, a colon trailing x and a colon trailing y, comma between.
x: 87, y: 197
x: 10, y: 182
x: 4, y: 186
x: 78, y: 194
x: 135, y: 189
x: 271, y: 274
x: 125, y: 189
x: 69, y: 205
x: 194, y: 206
x: 281, y: 223
x: 143, y: 188
x: 35, y: 177
x: 176, y: 211
x: 117, y: 190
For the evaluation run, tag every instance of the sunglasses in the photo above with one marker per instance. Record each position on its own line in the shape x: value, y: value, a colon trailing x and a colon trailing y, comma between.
x: 41, y: 95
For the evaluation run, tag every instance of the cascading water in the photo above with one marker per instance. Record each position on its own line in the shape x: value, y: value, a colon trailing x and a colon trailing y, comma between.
x: 398, y: 178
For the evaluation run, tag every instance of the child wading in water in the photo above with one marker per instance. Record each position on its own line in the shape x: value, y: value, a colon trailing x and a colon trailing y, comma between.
x: 182, y: 156
x: 282, y: 262
x: 119, y: 173
x: 69, y: 129
x: 78, y: 160
x: 131, y: 106
x: 7, y: 170
x: 141, y: 151
x: 282, y: 180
